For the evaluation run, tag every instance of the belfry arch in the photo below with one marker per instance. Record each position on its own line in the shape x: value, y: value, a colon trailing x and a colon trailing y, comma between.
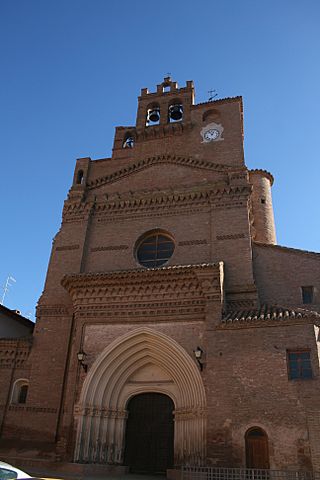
x: 143, y: 360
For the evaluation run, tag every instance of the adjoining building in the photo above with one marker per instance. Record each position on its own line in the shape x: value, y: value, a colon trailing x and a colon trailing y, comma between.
x: 172, y: 329
x: 16, y: 334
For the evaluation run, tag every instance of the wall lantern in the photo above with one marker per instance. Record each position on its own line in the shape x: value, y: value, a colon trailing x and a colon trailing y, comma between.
x: 198, y: 352
x: 81, y: 356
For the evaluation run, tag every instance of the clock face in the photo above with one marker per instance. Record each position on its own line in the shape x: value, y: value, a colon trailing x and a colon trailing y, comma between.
x: 211, y: 134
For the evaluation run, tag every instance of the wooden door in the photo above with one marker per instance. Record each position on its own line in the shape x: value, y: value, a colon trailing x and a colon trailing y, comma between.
x: 149, y: 433
x: 257, y: 451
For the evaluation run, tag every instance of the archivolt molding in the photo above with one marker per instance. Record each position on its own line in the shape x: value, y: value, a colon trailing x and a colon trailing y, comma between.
x: 147, y: 344
x: 101, y: 412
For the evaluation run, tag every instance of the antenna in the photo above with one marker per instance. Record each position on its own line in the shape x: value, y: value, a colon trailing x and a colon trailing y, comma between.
x: 6, y: 287
x: 212, y: 94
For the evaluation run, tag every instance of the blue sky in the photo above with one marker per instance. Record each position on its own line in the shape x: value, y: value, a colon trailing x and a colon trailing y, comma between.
x: 71, y: 70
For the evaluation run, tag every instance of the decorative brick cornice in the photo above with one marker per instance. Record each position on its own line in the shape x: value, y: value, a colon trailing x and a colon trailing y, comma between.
x: 181, y: 289
x: 160, y: 159
x: 159, y: 202
x: 179, y: 309
x: 204, y: 194
x: 229, y: 191
x: 14, y: 352
x: 75, y: 210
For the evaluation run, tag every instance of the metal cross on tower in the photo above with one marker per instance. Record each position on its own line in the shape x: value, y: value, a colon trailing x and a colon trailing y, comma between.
x: 212, y: 94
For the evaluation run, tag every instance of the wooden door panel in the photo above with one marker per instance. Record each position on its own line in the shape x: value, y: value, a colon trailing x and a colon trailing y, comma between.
x: 149, y: 433
x: 257, y: 451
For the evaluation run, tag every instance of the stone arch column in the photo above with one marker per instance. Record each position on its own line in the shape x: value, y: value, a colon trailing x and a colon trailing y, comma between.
x: 101, y: 413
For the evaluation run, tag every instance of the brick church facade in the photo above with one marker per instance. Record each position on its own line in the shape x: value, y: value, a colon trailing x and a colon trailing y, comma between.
x: 172, y: 329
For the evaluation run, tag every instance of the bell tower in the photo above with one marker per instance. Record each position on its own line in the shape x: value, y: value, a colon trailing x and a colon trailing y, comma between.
x: 160, y: 114
x: 168, y: 122
x: 169, y: 104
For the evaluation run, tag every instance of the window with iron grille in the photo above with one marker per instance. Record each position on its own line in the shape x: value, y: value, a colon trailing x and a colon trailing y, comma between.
x: 299, y: 364
x: 154, y: 249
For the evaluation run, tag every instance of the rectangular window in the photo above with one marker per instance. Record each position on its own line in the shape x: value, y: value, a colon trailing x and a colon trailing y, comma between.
x: 299, y: 364
x: 307, y: 294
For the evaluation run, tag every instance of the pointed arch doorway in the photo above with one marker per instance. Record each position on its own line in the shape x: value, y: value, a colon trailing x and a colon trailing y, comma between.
x: 149, y: 433
x: 139, y: 362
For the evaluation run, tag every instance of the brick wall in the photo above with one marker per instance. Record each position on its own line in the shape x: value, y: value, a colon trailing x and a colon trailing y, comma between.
x: 280, y: 273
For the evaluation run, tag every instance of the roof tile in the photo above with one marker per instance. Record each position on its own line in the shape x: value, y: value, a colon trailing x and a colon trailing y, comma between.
x: 265, y: 314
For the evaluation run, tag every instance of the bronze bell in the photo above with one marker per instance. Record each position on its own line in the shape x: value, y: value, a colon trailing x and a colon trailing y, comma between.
x: 153, y: 115
x: 175, y: 112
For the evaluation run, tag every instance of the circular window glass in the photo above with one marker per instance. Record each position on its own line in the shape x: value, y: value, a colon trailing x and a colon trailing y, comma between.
x: 154, y: 249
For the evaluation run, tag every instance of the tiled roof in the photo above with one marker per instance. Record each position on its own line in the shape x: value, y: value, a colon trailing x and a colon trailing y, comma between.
x: 266, y: 314
x: 140, y: 274
x: 263, y: 172
x: 145, y: 270
x: 16, y: 316
x: 219, y: 100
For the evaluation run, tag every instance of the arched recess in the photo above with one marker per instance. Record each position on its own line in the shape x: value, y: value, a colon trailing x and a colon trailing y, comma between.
x: 212, y: 114
x: 141, y: 361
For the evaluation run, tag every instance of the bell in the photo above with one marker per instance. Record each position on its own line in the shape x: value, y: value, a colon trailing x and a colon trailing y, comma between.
x: 153, y: 115
x: 175, y: 112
